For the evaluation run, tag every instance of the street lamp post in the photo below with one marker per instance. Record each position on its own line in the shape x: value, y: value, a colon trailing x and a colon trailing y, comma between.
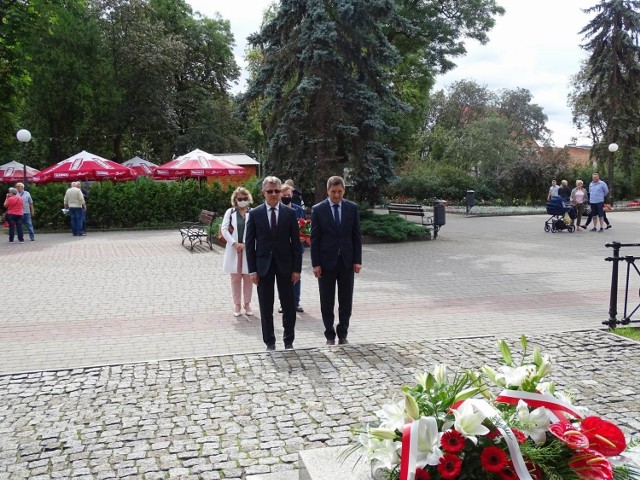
x: 24, y: 136
x: 613, y: 148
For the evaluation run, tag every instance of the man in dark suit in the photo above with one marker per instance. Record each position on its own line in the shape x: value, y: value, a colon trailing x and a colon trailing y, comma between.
x: 336, y: 254
x: 273, y: 255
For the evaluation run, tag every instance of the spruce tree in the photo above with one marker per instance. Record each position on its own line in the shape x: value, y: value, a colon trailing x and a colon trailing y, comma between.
x: 325, y: 84
x: 612, y: 80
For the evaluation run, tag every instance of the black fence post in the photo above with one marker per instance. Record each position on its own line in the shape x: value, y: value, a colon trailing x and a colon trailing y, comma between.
x: 613, y: 295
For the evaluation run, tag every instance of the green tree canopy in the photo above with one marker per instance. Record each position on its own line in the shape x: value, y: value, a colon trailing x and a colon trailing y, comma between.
x: 606, y: 92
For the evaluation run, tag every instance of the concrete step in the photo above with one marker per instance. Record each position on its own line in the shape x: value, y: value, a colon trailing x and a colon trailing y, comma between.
x: 284, y: 475
x: 329, y: 464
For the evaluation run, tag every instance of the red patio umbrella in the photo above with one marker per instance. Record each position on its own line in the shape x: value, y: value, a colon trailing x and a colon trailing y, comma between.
x: 198, y: 164
x: 141, y: 166
x: 14, y: 172
x: 84, y: 166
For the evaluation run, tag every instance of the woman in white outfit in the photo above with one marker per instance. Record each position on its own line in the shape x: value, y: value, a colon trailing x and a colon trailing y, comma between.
x: 235, y: 257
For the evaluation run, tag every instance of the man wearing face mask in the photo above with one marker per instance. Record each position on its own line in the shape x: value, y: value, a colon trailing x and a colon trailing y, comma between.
x: 286, y: 197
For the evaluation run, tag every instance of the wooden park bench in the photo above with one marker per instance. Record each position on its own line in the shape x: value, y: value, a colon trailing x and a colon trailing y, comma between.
x: 197, y: 231
x: 426, y: 220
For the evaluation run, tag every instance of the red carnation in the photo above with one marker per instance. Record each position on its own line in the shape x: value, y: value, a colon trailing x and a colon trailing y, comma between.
x: 452, y: 441
x: 493, y: 459
x: 422, y: 475
x: 449, y: 466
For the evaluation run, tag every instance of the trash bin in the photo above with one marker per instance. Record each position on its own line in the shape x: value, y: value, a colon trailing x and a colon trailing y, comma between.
x: 471, y: 199
x: 438, y: 212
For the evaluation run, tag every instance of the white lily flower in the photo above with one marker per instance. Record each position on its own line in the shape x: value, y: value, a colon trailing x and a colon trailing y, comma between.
x: 386, y: 454
x: 469, y: 422
x: 534, y: 423
x: 411, y: 406
x: 440, y: 374
x: 429, y: 452
x: 546, y: 388
x: 545, y: 367
x: 393, y: 415
x: 515, y: 377
x: 568, y: 398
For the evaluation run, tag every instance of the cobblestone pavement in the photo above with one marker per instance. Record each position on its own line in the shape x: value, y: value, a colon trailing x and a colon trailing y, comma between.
x: 126, y: 362
x: 237, y: 415
x: 120, y: 297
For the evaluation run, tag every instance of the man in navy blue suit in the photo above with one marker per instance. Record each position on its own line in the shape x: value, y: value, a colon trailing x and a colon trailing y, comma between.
x: 336, y: 255
x: 273, y: 255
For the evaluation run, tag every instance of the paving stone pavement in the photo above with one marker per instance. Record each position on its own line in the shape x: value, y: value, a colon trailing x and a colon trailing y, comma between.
x: 234, y: 416
x: 126, y: 362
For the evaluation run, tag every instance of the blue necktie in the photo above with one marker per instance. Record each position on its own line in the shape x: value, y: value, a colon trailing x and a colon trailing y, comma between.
x: 336, y: 213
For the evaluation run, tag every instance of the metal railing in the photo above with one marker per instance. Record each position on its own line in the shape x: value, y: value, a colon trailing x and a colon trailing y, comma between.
x: 612, y: 322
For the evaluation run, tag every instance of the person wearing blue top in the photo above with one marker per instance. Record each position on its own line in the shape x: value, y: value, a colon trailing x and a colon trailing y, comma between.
x: 598, y: 190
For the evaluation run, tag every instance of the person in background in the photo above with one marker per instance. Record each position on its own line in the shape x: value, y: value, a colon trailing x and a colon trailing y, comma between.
x: 598, y: 190
x: 295, y: 194
x: 578, y: 199
x: 234, y: 230
x: 564, y: 191
x: 590, y: 217
x: 15, y: 211
x: 27, y: 205
x: 336, y: 255
x: 286, y: 197
x: 553, y: 190
x: 273, y: 255
x: 74, y: 201
x: 85, y: 194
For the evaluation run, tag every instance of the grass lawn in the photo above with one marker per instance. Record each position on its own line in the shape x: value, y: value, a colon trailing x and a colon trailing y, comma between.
x: 632, y: 333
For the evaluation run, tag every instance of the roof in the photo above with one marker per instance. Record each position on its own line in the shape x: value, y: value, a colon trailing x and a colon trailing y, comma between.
x: 237, y: 158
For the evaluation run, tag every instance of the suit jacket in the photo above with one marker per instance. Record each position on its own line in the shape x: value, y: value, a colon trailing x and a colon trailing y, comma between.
x: 328, y: 240
x: 263, y: 246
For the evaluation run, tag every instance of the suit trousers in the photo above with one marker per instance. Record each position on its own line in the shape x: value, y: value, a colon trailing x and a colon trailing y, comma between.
x: 266, y: 298
x: 343, y: 277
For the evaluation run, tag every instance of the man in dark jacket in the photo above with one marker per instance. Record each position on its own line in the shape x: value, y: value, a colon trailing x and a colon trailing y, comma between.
x: 336, y: 255
x: 273, y: 255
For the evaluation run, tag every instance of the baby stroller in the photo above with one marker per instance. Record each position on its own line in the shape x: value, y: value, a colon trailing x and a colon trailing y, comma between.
x: 557, y: 209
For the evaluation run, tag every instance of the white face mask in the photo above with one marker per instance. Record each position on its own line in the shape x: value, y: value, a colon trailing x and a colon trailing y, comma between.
x: 243, y: 204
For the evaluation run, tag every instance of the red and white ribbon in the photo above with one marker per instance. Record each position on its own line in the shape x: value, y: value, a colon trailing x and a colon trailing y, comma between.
x: 409, y: 451
x: 557, y: 407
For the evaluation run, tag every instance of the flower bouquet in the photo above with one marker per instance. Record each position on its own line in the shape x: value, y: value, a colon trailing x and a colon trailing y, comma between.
x: 305, y: 230
x: 452, y: 427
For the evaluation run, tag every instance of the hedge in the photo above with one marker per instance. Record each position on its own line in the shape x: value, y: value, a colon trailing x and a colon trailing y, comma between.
x: 143, y: 203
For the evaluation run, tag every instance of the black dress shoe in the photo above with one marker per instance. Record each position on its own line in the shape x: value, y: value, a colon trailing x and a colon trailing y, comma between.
x: 331, y: 342
x: 271, y: 348
x: 280, y: 310
x: 343, y: 341
x: 288, y: 346
x: 608, y: 227
x: 300, y: 309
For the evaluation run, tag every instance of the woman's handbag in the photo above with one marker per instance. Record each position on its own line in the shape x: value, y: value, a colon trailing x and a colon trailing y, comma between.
x: 221, y: 238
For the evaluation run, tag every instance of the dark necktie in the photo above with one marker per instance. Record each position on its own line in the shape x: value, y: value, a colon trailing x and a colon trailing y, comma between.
x: 273, y: 219
x: 336, y: 213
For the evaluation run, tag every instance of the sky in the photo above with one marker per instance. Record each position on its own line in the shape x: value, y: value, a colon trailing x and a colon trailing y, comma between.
x: 534, y: 45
